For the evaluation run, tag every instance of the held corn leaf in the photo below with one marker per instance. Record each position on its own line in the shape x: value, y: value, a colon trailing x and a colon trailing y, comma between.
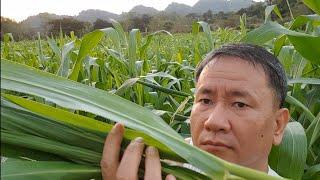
x: 98, y: 127
x: 74, y: 95
x: 289, y: 158
x: 23, y: 121
x: 19, y: 152
x: 56, y: 131
x: 26, y: 170
x: 50, y: 146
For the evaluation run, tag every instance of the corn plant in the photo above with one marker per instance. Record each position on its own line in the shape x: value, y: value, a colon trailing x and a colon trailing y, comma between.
x: 58, y: 107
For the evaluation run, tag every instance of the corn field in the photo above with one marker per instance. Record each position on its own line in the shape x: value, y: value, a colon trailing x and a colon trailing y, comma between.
x: 60, y: 96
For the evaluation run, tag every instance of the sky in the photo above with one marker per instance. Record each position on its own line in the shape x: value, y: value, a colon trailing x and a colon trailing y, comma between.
x: 19, y: 10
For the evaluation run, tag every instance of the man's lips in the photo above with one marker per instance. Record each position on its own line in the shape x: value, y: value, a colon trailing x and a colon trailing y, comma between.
x: 213, y: 146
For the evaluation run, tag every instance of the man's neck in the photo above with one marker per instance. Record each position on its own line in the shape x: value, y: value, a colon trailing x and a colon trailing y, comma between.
x: 263, y: 166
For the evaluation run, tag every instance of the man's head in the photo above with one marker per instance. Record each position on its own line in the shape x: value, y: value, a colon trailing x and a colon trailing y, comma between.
x: 237, y: 113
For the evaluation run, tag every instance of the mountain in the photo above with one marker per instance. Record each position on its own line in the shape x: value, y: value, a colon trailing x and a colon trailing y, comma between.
x: 91, y: 15
x: 220, y: 5
x: 140, y: 9
x: 40, y: 20
x: 178, y: 8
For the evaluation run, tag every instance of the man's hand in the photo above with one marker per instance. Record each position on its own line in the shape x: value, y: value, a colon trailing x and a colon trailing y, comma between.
x: 127, y: 167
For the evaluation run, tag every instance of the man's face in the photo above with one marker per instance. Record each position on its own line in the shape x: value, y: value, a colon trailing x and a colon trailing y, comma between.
x: 234, y: 115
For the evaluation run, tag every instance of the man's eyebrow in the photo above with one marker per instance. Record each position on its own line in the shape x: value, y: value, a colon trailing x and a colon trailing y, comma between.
x: 206, y: 91
x: 239, y: 93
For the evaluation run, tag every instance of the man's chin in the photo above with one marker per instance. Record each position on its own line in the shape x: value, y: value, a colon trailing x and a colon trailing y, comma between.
x: 222, y: 152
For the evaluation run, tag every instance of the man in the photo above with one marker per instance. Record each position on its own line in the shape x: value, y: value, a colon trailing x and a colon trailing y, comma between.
x: 237, y: 114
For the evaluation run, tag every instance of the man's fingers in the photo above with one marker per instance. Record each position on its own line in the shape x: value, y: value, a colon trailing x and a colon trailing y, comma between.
x: 152, y: 164
x: 110, y: 157
x: 170, y: 177
x: 129, y: 165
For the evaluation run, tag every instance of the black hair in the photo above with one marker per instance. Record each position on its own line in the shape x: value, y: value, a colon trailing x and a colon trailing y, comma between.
x: 255, y: 55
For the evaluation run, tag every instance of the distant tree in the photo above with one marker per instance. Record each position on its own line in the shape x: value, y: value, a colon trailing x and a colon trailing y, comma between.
x: 168, y: 25
x: 193, y: 16
x: 207, y: 16
x: 140, y: 22
x: 67, y: 25
x: 100, y: 24
x: 255, y: 10
x: 17, y: 30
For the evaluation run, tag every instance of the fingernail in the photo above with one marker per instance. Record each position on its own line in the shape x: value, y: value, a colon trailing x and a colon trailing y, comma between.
x: 170, y: 177
x: 138, y: 140
x: 151, y: 150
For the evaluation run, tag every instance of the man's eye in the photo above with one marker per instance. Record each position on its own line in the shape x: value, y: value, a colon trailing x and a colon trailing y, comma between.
x: 206, y: 101
x: 240, y: 105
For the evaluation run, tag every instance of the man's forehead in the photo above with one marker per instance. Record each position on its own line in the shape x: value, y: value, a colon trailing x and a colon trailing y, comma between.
x: 236, y: 61
x: 234, y: 69
x: 228, y: 91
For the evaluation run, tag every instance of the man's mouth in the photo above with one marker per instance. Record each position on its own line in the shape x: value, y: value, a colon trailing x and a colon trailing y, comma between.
x: 214, y: 146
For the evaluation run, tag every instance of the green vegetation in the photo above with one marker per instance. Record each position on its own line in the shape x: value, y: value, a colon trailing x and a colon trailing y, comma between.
x: 60, y: 96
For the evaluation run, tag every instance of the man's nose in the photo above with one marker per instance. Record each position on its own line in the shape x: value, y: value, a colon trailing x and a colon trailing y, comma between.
x: 218, y: 119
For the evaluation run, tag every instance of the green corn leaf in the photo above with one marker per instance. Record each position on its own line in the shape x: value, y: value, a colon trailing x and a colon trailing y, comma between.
x: 53, y: 45
x: 50, y: 146
x: 127, y: 84
x: 313, y: 4
x: 22, y: 153
x: 89, y: 41
x: 294, y: 101
x: 206, y: 29
x: 65, y: 60
x: 303, y: 19
x: 268, y: 11
x: 289, y: 158
x: 133, y: 38
x: 54, y: 131
x: 114, y: 36
x: 120, y: 31
x: 304, y: 81
x: 314, y: 128
x: 307, y: 45
x: 312, y: 173
x: 26, y: 170
x: 83, y: 140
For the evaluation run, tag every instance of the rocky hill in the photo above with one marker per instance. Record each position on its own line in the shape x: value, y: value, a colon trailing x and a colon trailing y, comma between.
x: 178, y: 8
x: 140, y: 9
x: 92, y: 15
x: 220, y: 5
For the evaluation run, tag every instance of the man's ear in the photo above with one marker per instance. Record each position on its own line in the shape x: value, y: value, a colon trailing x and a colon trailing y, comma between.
x: 282, y: 118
